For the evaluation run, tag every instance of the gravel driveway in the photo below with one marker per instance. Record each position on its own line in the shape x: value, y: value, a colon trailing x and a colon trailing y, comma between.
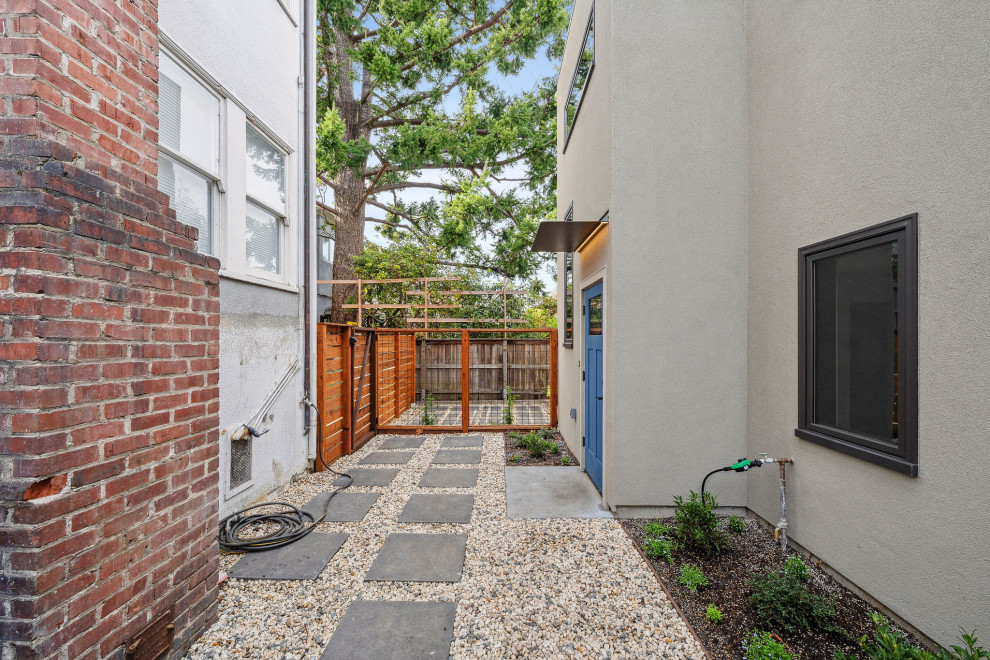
x: 530, y: 588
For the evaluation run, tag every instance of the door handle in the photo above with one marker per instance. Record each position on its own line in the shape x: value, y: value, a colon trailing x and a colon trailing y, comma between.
x: 599, y: 398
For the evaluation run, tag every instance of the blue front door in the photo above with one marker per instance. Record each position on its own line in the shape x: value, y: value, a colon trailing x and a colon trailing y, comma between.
x: 593, y: 381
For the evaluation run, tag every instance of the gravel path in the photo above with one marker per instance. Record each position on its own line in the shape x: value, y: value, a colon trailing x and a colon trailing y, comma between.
x: 530, y: 588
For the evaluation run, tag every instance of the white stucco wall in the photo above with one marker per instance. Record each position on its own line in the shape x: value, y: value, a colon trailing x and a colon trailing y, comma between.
x: 861, y: 113
x: 251, y: 51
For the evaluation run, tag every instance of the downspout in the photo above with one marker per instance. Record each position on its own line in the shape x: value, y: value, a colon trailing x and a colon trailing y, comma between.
x: 309, y: 199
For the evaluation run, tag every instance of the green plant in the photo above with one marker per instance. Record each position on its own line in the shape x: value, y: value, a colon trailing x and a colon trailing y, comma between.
x: 659, y: 547
x: 762, y: 646
x: 534, y: 444
x: 510, y: 402
x: 795, y: 566
x: 736, y: 525
x: 657, y: 529
x: 565, y: 460
x: 692, y: 577
x: 782, y: 601
x: 428, y: 419
x: 890, y: 644
x: 697, y: 524
x: 713, y: 614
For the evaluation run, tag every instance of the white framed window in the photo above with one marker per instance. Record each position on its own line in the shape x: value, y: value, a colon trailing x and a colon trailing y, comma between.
x: 265, y: 217
x: 326, y: 249
x: 189, y: 168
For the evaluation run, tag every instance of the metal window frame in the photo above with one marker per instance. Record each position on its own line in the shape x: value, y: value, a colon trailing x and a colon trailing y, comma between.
x: 568, y: 336
x: 569, y: 126
x: 904, y: 458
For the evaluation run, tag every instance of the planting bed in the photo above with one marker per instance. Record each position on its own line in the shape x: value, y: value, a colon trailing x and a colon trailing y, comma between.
x: 519, y: 456
x: 755, y: 551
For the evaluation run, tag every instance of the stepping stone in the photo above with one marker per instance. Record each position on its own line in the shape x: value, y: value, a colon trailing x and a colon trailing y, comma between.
x: 435, y: 477
x: 463, y: 441
x: 303, y: 560
x: 368, y: 477
x: 404, y: 442
x: 457, y: 456
x: 344, y: 507
x: 387, y: 458
x: 382, y: 630
x: 419, y: 558
x: 431, y: 508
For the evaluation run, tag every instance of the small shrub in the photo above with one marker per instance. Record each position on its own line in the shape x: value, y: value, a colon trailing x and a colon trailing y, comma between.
x: 657, y: 529
x: 564, y: 460
x: 535, y: 445
x: 762, y: 646
x: 692, y: 578
x: 795, y: 566
x: 697, y: 524
x: 510, y: 402
x: 659, y: 547
x: 713, y: 614
x: 782, y: 601
x: 428, y: 418
x: 889, y: 644
x: 736, y: 525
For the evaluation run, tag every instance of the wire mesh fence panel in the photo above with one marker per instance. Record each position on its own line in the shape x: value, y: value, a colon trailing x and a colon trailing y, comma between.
x: 528, y: 382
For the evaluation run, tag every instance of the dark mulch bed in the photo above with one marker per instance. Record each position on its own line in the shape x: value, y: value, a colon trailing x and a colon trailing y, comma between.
x: 519, y: 456
x: 755, y: 551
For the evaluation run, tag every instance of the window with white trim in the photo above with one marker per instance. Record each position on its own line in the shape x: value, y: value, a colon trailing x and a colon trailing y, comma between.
x: 189, y: 149
x: 266, y: 211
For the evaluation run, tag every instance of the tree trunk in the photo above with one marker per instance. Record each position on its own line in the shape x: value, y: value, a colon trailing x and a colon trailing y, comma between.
x: 349, y: 242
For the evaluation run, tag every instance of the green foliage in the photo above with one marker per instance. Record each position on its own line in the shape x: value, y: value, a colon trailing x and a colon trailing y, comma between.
x: 534, y: 443
x: 890, y: 644
x: 713, y: 614
x: 783, y: 601
x: 697, y: 524
x: 510, y: 402
x: 565, y: 460
x: 796, y: 567
x: 407, y: 88
x: 656, y: 528
x: 736, y: 525
x: 428, y: 419
x: 659, y: 547
x: 762, y: 646
x: 692, y: 577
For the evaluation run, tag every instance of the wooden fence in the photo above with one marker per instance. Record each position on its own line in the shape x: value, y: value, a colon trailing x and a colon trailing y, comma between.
x: 367, y: 378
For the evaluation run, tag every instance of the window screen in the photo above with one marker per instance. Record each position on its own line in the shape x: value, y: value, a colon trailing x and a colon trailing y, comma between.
x: 262, y: 239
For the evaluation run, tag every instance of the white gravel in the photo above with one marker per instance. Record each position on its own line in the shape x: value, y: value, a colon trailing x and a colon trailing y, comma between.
x: 530, y: 588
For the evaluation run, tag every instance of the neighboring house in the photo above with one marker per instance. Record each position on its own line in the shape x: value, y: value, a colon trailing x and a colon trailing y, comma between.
x: 324, y: 272
x: 231, y: 144
x: 741, y: 150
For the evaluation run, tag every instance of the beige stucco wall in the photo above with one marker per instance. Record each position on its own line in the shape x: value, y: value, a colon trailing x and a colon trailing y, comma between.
x: 584, y: 168
x: 676, y: 315
x: 861, y: 112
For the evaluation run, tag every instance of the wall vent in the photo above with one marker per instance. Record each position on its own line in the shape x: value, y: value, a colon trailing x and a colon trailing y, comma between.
x: 240, y: 460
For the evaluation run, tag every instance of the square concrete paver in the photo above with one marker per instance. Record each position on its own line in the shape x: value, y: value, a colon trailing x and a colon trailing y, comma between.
x: 463, y: 441
x: 403, y: 442
x: 382, y: 630
x: 457, y: 456
x: 436, y: 477
x: 368, y: 477
x: 387, y: 458
x: 344, y: 507
x: 438, y: 508
x: 551, y: 492
x: 303, y: 560
x: 419, y: 558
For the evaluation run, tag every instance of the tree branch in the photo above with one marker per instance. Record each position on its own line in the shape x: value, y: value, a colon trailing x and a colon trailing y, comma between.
x: 414, y: 184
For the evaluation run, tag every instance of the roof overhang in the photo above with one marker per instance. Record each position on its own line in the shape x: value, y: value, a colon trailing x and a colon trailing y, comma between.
x: 559, y: 236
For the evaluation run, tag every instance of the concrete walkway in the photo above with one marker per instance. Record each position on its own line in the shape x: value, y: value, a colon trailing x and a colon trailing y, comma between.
x: 423, y: 562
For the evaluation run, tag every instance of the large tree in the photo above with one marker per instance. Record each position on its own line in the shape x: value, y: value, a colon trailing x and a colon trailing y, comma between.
x: 407, y: 99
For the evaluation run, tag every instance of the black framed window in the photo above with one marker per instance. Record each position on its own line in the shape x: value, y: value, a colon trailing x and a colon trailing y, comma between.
x: 569, y: 290
x: 858, y: 351
x: 582, y: 73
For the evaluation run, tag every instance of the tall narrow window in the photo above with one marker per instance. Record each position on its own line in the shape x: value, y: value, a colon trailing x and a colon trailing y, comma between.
x: 582, y: 72
x: 858, y: 380
x: 189, y: 148
x: 569, y: 289
x: 266, y: 204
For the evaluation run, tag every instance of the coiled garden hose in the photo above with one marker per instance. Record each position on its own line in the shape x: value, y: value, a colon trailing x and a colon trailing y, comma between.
x: 292, y: 523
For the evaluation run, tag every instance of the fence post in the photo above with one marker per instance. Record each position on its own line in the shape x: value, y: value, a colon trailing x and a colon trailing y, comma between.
x: 347, y: 391
x: 465, y: 382
x: 553, y: 378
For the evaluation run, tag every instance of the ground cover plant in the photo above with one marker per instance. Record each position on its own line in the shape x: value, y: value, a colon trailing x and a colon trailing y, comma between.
x: 692, y: 578
x: 890, y: 644
x: 764, y: 646
x: 545, y: 447
x: 713, y: 614
x: 744, y: 555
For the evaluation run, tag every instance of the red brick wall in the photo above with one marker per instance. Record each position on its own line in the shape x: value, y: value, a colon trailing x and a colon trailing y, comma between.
x: 108, y: 345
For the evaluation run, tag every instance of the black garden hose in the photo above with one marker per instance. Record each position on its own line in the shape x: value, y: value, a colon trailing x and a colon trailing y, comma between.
x: 292, y: 523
